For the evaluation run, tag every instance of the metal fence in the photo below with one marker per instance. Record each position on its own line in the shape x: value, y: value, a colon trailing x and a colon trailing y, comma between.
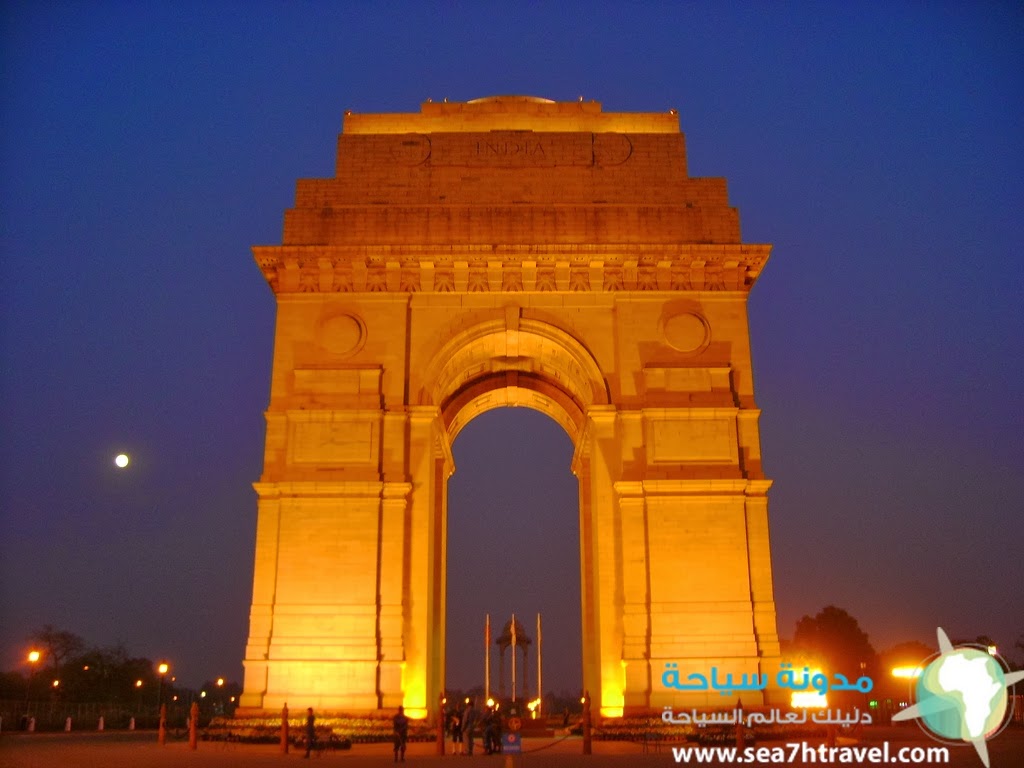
x: 53, y: 715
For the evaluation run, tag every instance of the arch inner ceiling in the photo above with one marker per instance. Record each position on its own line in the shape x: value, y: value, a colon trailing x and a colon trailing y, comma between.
x: 533, y: 365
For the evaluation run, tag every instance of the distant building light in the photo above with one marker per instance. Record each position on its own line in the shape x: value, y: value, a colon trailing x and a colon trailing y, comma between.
x: 808, y: 700
x: 907, y: 673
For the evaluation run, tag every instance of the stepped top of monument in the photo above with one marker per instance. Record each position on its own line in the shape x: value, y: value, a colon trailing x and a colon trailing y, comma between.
x: 515, y: 113
x: 511, y: 172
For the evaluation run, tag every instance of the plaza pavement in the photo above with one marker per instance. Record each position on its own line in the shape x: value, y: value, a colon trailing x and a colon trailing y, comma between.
x: 140, y: 750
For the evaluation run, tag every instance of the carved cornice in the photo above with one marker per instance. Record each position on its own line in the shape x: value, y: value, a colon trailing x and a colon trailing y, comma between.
x: 510, y: 269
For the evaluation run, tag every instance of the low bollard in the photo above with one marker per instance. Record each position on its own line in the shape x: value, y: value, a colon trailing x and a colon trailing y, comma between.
x: 193, y: 726
x: 284, y: 729
x: 586, y: 723
x: 740, y: 735
x: 440, y: 723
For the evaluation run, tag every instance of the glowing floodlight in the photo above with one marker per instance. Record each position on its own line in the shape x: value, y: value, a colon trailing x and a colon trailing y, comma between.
x: 906, y: 673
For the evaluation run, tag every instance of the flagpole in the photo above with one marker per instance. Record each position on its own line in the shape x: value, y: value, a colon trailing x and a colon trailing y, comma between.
x: 513, y: 657
x: 540, y: 697
x: 487, y: 658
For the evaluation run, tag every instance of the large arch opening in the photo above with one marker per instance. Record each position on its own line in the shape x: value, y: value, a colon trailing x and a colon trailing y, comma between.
x: 513, y: 547
x: 518, y: 366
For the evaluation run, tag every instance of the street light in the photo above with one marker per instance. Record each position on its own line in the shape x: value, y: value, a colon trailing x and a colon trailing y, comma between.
x: 162, y: 668
x: 33, y: 659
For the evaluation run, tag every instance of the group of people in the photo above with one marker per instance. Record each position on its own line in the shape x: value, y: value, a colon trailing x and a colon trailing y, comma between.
x: 461, y: 727
x: 399, y: 725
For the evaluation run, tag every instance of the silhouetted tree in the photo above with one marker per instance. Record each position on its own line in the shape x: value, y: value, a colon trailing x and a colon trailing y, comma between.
x: 58, y: 646
x: 835, y: 637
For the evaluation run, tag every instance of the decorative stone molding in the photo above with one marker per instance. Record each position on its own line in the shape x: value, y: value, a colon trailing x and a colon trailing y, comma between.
x: 309, y: 268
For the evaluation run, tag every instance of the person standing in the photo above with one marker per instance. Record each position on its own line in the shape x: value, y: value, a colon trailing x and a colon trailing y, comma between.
x: 468, y: 723
x: 400, y: 725
x: 310, y: 730
x: 456, y: 731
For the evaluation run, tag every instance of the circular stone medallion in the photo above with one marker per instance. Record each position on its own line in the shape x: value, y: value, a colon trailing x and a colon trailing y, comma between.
x: 611, y: 149
x: 686, y: 332
x: 341, y: 334
x: 410, y: 148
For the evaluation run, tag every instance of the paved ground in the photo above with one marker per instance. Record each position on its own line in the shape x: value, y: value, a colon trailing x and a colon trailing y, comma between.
x: 140, y: 750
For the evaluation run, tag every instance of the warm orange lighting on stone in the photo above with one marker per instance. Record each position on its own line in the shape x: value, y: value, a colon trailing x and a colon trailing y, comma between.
x: 509, y: 251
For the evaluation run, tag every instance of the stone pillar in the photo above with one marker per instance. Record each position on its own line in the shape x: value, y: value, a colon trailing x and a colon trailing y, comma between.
x: 390, y: 590
x: 636, y: 596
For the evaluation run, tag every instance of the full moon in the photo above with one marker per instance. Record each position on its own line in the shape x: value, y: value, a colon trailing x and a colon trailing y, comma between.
x: 121, y: 460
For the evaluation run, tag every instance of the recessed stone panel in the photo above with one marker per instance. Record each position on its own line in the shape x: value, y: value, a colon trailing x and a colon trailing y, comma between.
x: 333, y: 443
x: 692, y: 439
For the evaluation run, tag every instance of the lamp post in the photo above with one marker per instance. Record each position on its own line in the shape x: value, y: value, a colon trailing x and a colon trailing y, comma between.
x: 161, y: 668
x: 161, y: 708
x: 33, y: 659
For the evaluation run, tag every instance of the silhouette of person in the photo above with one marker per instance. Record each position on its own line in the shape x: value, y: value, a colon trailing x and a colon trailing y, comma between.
x: 468, y: 723
x: 310, y: 730
x: 400, y: 724
x: 456, y: 732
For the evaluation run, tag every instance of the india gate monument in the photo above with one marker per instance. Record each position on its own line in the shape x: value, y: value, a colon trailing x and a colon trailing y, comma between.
x: 509, y: 251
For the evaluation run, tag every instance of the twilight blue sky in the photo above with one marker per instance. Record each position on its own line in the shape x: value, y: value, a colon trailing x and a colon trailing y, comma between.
x: 145, y: 146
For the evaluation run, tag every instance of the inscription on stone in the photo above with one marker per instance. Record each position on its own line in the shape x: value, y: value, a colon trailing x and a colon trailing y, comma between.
x: 512, y: 149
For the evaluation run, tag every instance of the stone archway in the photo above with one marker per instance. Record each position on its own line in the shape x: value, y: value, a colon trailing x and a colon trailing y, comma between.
x: 508, y: 251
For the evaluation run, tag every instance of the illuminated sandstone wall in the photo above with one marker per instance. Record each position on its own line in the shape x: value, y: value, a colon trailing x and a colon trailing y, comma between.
x: 508, y: 251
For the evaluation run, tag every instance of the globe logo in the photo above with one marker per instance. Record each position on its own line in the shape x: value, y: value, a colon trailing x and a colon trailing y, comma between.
x: 961, y: 696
